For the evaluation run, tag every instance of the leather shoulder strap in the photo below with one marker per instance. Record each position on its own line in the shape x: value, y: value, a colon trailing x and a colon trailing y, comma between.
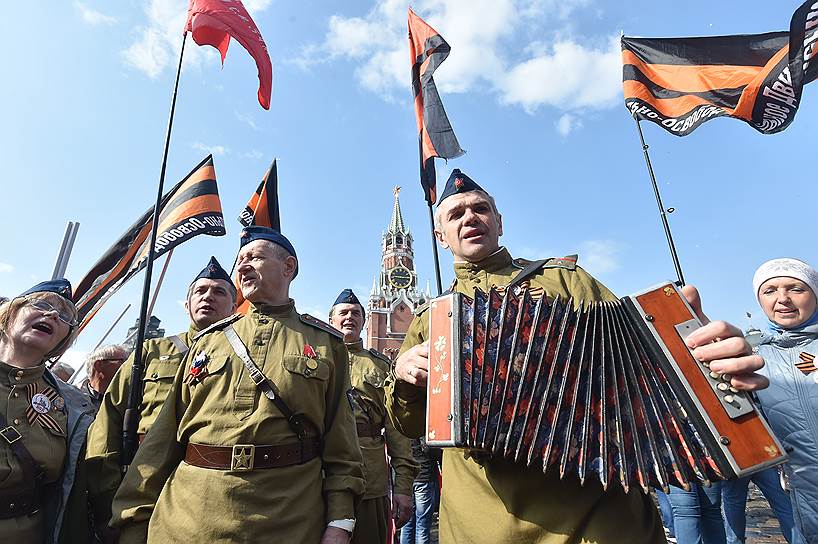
x: 268, y: 387
x: 178, y: 343
x: 32, y: 472
x: 219, y: 325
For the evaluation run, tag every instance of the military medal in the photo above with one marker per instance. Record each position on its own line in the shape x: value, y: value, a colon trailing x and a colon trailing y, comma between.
x: 41, y: 401
x: 198, y: 369
x: 58, y: 404
x: 309, y: 351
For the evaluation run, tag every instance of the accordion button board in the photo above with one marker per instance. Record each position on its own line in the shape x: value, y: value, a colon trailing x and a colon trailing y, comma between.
x: 607, y: 390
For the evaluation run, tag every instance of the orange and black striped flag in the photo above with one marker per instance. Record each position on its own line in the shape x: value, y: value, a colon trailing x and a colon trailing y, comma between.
x: 679, y: 83
x: 427, y: 50
x: 189, y: 209
x: 262, y: 209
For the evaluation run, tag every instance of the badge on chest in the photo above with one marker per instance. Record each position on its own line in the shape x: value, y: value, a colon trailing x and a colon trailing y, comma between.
x: 43, y: 402
x: 198, y: 369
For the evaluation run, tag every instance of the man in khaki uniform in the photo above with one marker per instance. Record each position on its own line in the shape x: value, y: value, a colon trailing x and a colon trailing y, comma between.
x: 495, y: 500
x: 369, y: 371
x: 228, y: 460
x: 211, y: 297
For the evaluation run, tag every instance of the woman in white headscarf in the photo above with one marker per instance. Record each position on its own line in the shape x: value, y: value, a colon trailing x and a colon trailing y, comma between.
x: 786, y: 291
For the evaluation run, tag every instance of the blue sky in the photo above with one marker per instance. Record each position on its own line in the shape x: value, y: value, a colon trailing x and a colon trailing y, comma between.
x: 533, y: 89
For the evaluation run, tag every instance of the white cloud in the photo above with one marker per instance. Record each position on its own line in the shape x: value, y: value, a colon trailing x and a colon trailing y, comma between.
x: 161, y: 39
x: 567, y: 123
x: 564, y: 73
x: 6, y: 268
x: 600, y: 257
x: 246, y: 119
x: 253, y: 154
x: 216, y: 150
x: 92, y: 16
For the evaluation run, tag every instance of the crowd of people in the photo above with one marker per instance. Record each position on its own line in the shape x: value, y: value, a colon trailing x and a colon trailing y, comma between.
x: 273, y: 425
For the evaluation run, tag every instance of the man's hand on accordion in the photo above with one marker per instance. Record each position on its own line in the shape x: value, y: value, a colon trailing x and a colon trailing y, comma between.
x: 413, y: 366
x: 723, y: 346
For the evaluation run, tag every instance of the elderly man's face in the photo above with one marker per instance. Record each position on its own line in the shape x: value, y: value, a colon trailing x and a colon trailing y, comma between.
x: 103, y: 370
x: 209, y: 301
x: 264, y: 277
x: 349, y: 319
x: 469, y: 226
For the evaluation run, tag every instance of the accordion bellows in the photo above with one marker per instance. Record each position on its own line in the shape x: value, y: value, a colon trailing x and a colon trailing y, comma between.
x: 607, y: 390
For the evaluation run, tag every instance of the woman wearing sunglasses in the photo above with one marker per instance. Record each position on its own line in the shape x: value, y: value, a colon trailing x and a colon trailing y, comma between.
x: 43, y: 421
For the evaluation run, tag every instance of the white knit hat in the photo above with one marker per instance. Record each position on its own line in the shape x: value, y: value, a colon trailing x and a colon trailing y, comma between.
x: 790, y: 268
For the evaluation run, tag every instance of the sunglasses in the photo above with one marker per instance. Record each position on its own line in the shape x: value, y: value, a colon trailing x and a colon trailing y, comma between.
x: 44, y: 306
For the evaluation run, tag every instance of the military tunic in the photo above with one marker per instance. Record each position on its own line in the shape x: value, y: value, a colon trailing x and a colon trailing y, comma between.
x: 496, y: 500
x: 163, y: 499
x: 369, y: 373
x: 162, y: 359
x: 43, y: 435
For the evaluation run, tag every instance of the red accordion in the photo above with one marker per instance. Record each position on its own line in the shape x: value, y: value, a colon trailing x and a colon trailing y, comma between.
x: 608, y: 390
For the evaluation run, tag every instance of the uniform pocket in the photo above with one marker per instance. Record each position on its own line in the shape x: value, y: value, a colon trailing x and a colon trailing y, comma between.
x: 314, y: 369
x: 375, y: 378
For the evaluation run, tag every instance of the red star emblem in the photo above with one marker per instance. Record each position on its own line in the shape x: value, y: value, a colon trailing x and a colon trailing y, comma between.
x: 458, y: 183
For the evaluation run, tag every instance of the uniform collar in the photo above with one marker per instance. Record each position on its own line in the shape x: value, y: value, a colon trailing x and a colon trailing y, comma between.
x: 270, y: 310
x: 355, y: 346
x: 192, y: 331
x: 12, y: 375
x: 498, y: 260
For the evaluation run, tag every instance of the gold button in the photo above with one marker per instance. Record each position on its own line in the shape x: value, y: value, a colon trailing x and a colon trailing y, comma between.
x: 154, y: 375
x: 258, y: 342
x: 312, y: 364
x: 16, y: 395
x: 17, y: 378
x: 19, y: 372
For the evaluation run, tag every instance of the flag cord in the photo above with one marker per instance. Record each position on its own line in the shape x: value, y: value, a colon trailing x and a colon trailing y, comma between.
x: 662, y: 213
x: 131, y: 417
x: 434, y: 250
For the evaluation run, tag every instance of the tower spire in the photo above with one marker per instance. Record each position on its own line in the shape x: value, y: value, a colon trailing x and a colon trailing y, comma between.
x: 396, y: 225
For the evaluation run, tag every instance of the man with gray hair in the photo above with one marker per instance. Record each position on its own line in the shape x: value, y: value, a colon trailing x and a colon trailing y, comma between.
x: 100, y: 367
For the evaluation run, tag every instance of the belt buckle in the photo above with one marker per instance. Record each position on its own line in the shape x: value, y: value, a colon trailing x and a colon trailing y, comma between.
x: 10, y: 434
x: 242, y: 458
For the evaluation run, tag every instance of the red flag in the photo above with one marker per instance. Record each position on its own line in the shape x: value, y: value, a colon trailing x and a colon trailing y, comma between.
x: 427, y: 50
x: 212, y: 22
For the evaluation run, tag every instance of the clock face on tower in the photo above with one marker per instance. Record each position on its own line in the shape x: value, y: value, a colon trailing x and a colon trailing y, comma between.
x: 400, y: 277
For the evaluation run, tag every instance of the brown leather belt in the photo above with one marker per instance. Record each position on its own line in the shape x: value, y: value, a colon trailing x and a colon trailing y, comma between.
x: 368, y: 430
x: 246, y: 457
x: 13, y: 505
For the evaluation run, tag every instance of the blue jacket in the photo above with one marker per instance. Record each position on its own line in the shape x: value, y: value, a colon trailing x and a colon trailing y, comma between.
x: 791, y: 407
x: 80, y: 415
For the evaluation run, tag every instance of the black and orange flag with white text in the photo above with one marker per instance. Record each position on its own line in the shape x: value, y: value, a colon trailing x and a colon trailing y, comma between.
x: 427, y: 50
x: 679, y: 83
x: 190, y: 208
x: 262, y: 208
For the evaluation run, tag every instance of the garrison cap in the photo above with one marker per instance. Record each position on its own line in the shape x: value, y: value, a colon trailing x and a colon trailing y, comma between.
x: 60, y: 286
x: 347, y: 297
x: 256, y: 232
x: 213, y: 271
x: 457, y: 183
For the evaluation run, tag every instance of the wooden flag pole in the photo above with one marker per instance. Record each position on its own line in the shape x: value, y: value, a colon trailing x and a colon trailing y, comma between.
x: 159, y: 283
x: 662, y: 212
x: 130, y: 421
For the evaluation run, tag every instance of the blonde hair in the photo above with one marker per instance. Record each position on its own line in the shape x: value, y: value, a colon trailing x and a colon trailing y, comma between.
x: 10, y: 309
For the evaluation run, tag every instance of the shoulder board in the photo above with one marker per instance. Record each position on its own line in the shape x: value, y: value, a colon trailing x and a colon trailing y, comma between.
x: 323, y: 325
x: 378, y: 355
x: 218, y: 325
x: 569, y: 262
x: 520, y: 263
x: 422, y: 308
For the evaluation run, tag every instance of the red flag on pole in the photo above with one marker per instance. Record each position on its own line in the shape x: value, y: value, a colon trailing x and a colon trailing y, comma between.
x: 427, y: 50
x: 213, y: 22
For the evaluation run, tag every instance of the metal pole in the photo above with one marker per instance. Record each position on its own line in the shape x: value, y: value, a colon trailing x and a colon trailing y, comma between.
x: 114, y: 324
x: 434, y: 251
x: 65, y: 250
x: 662, y: 213
x: 159, y: 284
x: 130, y: 420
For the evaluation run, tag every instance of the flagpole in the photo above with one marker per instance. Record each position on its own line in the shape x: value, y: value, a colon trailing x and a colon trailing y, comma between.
x: 662, y: 213
x: 130, y: 420
x: 159, y: 283
x: 434, y: 250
